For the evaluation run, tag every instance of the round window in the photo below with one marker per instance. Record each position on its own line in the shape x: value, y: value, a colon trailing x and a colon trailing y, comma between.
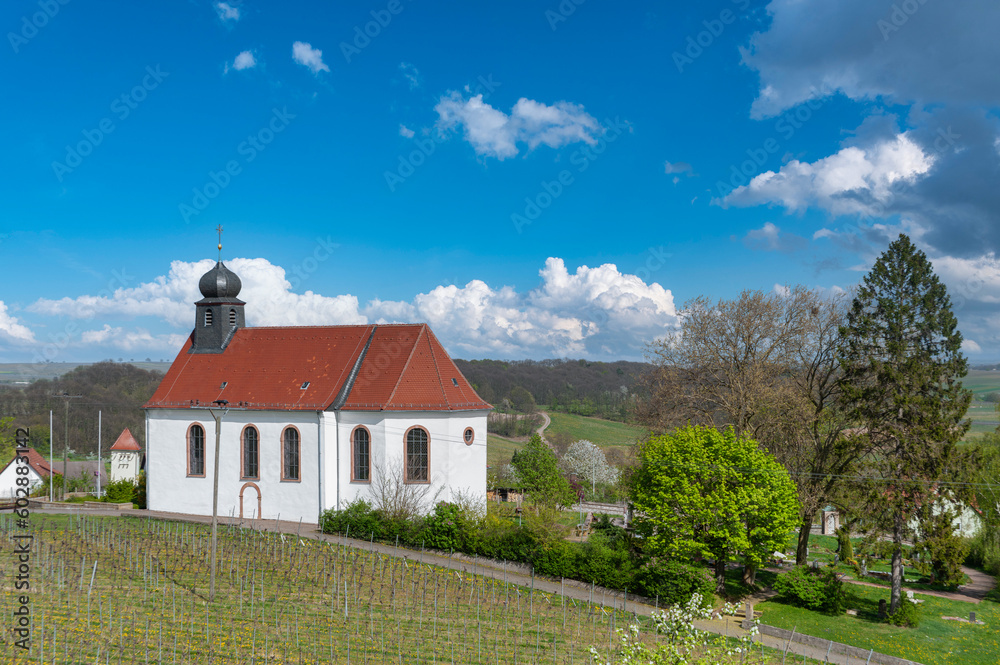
x: 469, y: 436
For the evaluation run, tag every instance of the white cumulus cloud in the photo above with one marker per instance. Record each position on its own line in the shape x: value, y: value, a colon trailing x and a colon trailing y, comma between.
x: 304, y: 54
x: 493, y: 133
x: 11, y: 329
x: 847, y: 182
x: 593, y: 312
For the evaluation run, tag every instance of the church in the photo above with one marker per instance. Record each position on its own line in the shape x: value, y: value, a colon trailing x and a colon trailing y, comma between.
x: 309, y: 418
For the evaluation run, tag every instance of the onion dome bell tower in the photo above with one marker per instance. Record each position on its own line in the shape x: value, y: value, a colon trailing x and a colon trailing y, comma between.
x: 219, y: 314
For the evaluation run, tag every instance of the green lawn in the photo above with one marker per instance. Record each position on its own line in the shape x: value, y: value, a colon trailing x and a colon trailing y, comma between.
x: 499, y: 450
x: 604, y: 433
x: 934, y: 641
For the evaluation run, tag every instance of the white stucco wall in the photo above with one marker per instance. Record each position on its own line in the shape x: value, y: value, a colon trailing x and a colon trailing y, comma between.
x: 8, y: 481
x: 169, y: 488
x: 454, y: 466
x: 124, y: 465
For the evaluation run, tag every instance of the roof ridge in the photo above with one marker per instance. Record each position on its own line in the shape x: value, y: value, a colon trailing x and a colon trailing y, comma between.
x: 437, y: 370
x: 345, y: 390
x: 331, y: 398
x: 406, y: 365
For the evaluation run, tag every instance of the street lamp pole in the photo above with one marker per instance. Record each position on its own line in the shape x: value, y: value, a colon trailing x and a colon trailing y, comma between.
x: 222, y: 404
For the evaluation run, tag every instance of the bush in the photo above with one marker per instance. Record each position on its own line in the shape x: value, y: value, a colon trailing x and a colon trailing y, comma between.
x: 674, y: 582
x: 846, y: 548
x: 120, y: 491
x: 812, y: 590
x: 907, y: 615
x: 942, y: 551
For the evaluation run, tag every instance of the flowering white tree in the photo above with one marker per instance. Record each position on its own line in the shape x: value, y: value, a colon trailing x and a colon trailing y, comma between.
x: 587, y: 460
x: 681, y: 642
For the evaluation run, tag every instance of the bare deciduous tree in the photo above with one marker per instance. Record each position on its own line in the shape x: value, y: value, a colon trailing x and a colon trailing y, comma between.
x: 394, y: 497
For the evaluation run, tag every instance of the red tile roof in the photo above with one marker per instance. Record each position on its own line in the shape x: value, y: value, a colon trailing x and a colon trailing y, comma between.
x: 35, y: 461
x: 402, y: 368
x: 126, y: 442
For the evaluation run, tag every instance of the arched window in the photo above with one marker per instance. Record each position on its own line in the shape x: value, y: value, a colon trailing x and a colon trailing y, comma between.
x: 232, y: 317
x: 361, y: 454
x: 196, y: 450
x: 469, y: 435
x: 290, y: 454
x: 417, y: 455
x: 251, y: 453
x: 208, y: 318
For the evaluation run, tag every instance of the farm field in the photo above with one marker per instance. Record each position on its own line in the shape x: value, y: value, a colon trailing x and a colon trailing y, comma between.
x: 604, y: 433
x: 109, y: 590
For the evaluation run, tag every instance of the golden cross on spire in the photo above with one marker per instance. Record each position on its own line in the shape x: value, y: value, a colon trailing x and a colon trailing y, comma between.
x: 219, y: 229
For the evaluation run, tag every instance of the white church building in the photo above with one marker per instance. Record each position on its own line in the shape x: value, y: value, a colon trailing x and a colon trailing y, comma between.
x: 312, y: 418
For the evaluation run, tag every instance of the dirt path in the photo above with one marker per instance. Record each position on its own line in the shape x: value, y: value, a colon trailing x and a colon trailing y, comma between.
x: 546, y: 421
x: 979, y: 585
x: 514, y: 573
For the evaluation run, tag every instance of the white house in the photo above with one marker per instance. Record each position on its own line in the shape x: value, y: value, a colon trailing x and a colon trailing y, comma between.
x: 125, y: 457
x: 38, y: 469
x: 311, y: 417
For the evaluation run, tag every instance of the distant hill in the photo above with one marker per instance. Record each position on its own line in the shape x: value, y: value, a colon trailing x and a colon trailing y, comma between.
x: 117, y: 390
x: 604, y: 389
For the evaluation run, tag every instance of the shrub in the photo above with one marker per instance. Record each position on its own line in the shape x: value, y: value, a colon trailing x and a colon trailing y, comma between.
x: 357, y: 518
x: 812, y: 590
x: 120, y: 491
x: 139, y: 495
x: 942, y: 550
x: 907, y: 615
x: 846, y: 548
x: 673, y: 581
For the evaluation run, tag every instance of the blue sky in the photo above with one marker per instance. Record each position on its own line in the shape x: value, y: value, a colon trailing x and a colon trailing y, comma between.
x: 533, y: 179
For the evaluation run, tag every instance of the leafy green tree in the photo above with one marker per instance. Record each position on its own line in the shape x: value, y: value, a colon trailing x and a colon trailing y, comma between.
x: 7, y: 443
x: 704, y: 493
x: 538, y: 470
x: 902, y: 364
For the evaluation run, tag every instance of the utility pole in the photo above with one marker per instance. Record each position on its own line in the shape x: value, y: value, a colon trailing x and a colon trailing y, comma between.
x: 223, y: 406
x: 66, y: 396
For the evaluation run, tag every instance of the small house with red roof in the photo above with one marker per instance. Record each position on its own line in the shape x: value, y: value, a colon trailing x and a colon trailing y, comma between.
x: 125, y: 457
x: 38, y: 469
x: 308, y: 418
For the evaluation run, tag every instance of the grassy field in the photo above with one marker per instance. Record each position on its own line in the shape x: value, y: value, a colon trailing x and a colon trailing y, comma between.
x: 604, y: 433
x: 934, y: 641
x: 499, y: 450
x: 109, y: 590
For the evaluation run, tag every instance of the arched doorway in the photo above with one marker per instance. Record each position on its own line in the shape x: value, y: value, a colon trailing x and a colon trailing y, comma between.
x: 244, y: 489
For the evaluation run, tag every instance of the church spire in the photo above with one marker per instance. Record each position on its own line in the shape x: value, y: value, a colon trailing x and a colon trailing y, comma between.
x: 219, y: 314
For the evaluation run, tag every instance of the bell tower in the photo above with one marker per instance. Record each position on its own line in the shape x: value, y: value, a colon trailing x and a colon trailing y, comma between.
x: 219, y: 314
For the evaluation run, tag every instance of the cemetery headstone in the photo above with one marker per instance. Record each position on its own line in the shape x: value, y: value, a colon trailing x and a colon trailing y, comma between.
x: 882, y: 611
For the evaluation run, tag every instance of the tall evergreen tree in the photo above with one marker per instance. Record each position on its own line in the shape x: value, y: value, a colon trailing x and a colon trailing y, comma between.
x: 902, y: 366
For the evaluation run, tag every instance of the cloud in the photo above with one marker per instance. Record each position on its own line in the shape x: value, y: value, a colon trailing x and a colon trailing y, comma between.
x: 970, y: 346
x: 873, y: 50
x: 405, y: 131
x: 854, y: 180
x: 676, y: 167
x: 245, y: 60
x: 227, y: 12
x: 411, y: 73
x: 304, y: 54
x: 11, y: 330
x: 493, y: 133
x: 593, y: 312
x: 769, y: 238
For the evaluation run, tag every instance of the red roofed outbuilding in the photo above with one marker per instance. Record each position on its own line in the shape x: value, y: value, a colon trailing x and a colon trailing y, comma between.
x: 312, y: 416
x: 37, y: 470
